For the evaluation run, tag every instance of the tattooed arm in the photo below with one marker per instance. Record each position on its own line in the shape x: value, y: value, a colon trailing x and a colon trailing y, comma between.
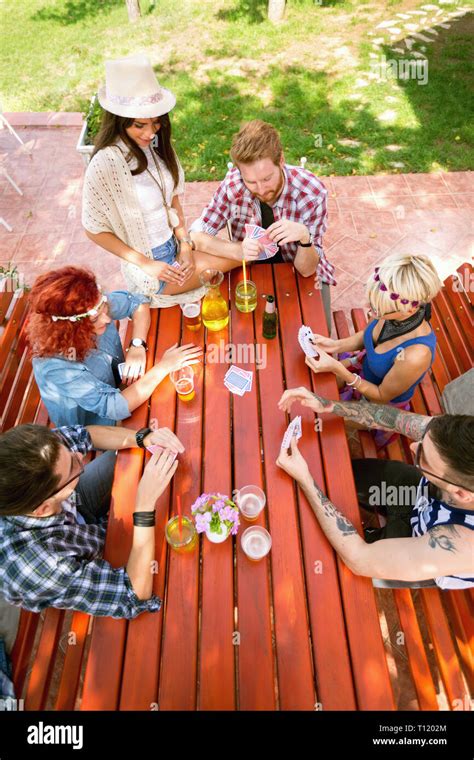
x: 444, y: 550
x: 380, y: 416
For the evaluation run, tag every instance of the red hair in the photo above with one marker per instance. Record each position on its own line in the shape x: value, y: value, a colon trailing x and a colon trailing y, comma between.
x: 62, y: 292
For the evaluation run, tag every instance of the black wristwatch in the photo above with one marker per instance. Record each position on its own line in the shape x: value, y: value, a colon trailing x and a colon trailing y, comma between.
x: 140, y: 435
x: 137, y: 342
x: 306, y: 245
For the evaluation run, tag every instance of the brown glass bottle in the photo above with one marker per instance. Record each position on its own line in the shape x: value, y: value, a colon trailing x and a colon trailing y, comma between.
x: 269, y: 325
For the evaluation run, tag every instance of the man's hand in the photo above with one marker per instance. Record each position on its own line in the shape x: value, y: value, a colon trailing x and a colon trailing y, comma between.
x: 251, y: 248
x: 305, y: 398
x: 156, y: 477
x: 285, y: 231
x: 294, y: 464
x: 166, y: 438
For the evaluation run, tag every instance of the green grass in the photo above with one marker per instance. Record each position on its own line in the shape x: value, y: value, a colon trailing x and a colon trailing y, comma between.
x: 227, y: 64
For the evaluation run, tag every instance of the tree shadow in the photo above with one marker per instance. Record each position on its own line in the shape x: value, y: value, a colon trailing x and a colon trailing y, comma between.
x: 252, y: 11
x: 75, y: 10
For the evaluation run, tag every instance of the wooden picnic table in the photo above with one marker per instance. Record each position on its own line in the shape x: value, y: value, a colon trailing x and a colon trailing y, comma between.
x: 295, y: 631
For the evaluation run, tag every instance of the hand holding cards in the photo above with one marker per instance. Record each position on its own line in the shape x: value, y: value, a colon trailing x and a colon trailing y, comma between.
x: 304, y: 338
x: 258, y: 233
x: 238, y: 380
x: 293, y: 429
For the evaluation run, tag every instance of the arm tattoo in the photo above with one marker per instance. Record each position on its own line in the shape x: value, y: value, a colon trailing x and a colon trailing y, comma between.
x: 342, y: 523
x: 438, y: 537
x: 381, y: 416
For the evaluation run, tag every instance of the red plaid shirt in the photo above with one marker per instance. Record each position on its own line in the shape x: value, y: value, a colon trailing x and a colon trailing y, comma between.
x: 303, y: 199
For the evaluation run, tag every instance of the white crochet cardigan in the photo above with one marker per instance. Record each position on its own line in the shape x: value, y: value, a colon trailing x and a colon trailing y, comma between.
x: 110, y: 204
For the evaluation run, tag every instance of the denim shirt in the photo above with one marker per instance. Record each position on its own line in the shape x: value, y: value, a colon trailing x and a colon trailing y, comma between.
x: 84, y: 392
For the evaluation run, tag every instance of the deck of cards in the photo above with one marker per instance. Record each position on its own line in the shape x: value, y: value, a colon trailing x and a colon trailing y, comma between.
x: 304, y: 338
x: 238, y: 380
x: 293, y: 429
x: 258, y: 233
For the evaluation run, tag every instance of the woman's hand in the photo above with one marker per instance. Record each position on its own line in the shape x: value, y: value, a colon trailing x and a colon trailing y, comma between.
x: 162, y: 271
x: 323, y: 363
x: 186, y: 259
x: 177, y: 357
x: 135, y: 364
x: 329, y: 345
x: 305, y: 398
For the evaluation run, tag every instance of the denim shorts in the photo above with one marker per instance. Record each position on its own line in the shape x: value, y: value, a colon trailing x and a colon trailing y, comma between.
x: 165, y: 252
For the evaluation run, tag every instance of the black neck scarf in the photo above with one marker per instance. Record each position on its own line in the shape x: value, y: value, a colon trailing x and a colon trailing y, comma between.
x: 393, y: 328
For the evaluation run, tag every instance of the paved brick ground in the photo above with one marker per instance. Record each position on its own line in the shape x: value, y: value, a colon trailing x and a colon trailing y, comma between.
x: 369, y: 217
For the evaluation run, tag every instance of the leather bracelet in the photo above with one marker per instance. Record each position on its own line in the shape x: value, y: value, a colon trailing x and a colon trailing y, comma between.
x: 144, y: 519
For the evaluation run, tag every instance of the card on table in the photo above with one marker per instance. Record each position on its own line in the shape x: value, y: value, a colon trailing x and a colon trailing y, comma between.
x: 238, y: 380
x: 304, y: 338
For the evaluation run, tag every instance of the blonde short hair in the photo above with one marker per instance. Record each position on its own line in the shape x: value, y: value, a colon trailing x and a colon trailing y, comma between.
x: 256, y: 140
x: 411, y: 277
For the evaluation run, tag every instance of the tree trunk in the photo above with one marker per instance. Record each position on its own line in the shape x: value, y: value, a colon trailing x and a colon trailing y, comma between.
x: 133, y: 8
x: 276, y: 10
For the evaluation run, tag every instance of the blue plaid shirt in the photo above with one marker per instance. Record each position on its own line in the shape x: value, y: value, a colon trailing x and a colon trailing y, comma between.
x: 57, y: 562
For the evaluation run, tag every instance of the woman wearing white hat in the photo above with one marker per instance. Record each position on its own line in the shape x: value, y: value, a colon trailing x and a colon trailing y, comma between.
x: 131, y: 191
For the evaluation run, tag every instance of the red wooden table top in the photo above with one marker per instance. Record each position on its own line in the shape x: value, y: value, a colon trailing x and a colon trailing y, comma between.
x: 295, y: 631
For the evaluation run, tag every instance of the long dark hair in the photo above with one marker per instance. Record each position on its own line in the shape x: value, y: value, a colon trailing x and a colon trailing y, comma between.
x: 114, y: 126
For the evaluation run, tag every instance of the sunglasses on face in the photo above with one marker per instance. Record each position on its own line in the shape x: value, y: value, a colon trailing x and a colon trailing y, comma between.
x: 76, y: 469
x: 418, y: 454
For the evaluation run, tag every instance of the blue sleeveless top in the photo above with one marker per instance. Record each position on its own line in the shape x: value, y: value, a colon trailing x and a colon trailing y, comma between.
x: 375, y: 366
x: 429, y: 512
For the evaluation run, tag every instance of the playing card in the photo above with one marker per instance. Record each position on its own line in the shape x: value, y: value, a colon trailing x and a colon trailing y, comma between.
x: 176, y: 265
x: 294, y: 428
x: 238, y: 380
x: 258, y: 233
x: 304, y: 339
x: 156, y: 448
x: 120, y: 368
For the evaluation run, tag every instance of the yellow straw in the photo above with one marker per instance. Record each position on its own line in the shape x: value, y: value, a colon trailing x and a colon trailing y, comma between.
x: 245, y: 276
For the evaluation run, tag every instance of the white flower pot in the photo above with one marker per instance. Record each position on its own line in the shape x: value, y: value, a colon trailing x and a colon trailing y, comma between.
x: 81, y: 147
x: 218, y: 538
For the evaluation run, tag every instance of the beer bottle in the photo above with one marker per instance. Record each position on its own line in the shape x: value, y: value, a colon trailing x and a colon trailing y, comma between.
x: 269, y: 319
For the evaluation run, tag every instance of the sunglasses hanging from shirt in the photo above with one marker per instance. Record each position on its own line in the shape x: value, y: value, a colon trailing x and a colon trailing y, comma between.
x: 173, y: 218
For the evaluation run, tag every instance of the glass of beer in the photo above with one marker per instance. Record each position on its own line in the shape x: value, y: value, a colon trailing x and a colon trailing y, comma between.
x: 184, y: 539
x: 192, y: 315
x: 256, y: 542
x: 183, y: 381
x: 246, y: 296
x: 250, y: 500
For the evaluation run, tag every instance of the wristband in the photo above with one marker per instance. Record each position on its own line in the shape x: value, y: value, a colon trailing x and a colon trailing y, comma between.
x: 140, y: 436
x: 144, y: 519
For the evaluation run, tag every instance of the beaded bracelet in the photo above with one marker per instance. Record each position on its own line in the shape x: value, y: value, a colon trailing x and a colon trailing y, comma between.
x: 357, y: 378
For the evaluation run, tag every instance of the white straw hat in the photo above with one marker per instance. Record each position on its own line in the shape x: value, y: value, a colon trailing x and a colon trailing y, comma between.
x: 132, y: 89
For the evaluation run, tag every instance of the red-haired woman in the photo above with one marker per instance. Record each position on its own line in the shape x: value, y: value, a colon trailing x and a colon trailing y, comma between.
x: 77, y: 349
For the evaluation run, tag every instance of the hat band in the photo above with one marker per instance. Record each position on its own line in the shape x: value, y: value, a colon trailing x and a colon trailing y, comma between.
x: 125, y: 100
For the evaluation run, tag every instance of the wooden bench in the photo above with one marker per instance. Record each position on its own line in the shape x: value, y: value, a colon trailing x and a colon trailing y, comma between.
x: 307, y: 627
x: 447, y: 616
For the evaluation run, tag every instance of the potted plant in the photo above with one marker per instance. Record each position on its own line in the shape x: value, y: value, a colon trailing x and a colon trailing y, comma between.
x: 85, y: 144
x: 216, y: 515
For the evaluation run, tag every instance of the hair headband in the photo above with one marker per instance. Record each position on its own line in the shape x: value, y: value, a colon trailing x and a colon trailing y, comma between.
x: 393, y: 296
x: 90, y: 313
